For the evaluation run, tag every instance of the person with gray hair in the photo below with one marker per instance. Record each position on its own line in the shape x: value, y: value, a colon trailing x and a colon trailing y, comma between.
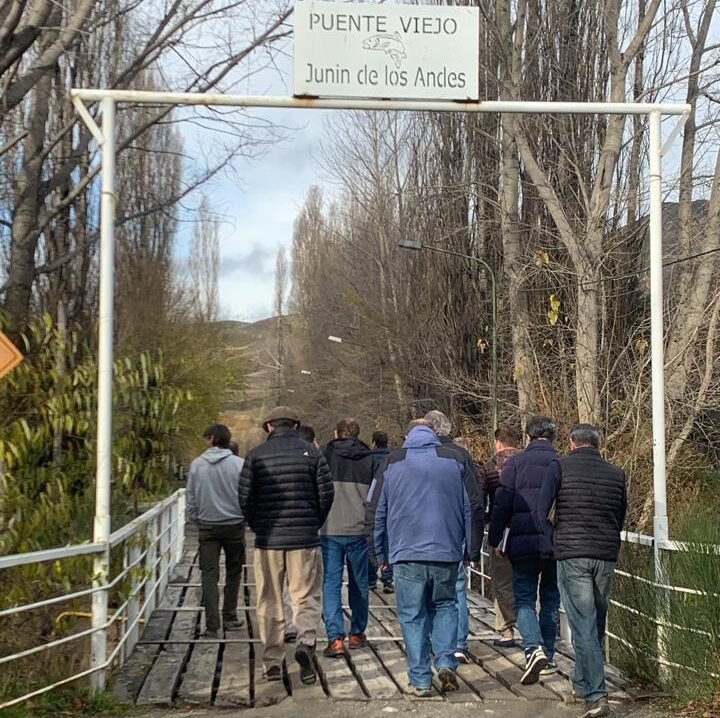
x: 585, y: 499
x: 440, y: 423
x: 428, y: 516
x: 442, y: 426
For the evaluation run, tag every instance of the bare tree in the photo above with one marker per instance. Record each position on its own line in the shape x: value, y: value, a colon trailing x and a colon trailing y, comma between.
x: 279, y: 299
x: 45, y: 49
x: 204, y: 264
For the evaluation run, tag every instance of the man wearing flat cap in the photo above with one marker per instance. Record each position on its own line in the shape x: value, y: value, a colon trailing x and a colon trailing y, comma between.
x: 286, y: 493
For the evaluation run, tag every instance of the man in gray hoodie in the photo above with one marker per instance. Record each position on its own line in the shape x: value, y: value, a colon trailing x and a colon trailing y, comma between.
x: 213, y: 504
x: 343, y: 539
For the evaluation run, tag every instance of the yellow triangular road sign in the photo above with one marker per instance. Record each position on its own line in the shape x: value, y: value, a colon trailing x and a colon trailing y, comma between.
x: 10, y: 356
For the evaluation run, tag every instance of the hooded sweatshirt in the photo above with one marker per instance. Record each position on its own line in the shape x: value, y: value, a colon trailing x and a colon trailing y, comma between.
x: 351, y: 465
x: 212, y: 488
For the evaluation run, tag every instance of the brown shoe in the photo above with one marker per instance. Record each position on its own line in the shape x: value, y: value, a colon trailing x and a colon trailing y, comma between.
x: 357, y: 640
x: 334, y: 649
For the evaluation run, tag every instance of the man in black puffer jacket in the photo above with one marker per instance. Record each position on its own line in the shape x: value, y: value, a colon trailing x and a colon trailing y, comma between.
x: 286, y: 493
x: 534, y: 569
x: 590, y: 498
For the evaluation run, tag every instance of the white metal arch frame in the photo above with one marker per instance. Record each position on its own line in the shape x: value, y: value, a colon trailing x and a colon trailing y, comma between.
x: 105, y: 137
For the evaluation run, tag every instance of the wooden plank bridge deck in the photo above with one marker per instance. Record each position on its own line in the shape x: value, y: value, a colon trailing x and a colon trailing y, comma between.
x: 172, y: 666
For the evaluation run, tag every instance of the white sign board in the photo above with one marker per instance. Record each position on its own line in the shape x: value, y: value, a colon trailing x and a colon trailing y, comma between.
x: 386, y: 51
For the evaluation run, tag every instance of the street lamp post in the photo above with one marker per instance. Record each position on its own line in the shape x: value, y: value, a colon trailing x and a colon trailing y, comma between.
x: 418, y: 246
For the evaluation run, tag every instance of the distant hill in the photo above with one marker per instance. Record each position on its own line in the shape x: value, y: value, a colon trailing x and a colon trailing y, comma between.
x: 256, y: 345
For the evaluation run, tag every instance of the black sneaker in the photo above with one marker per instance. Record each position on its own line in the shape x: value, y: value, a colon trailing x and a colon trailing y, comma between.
x: 597, y: 708
x: 388, y: 588
x: 233, y: 624
x: 273, y: 674
x: 210, y: 635
x: 536, y: 662
x: 304, y: 656
x: 549, y: 669
x: 448, y: 680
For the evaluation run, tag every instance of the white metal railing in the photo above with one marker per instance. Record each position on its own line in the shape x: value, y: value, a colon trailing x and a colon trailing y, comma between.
x: 660, y: 620
x: 152, y: 545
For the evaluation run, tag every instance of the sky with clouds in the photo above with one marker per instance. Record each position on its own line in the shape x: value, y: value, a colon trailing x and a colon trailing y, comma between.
x: 256, y: 204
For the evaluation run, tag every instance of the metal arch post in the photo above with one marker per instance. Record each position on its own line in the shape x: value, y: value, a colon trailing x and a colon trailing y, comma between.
x: 109, y: 98
x: 657, y: 339
x: 657, y: 333
x: 101, y: 565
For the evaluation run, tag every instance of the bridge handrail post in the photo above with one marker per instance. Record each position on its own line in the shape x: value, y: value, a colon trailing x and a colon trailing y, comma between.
x: 150, y: 568
x: 181, y: 503
x: 165, y: 528
x: 133, y: 552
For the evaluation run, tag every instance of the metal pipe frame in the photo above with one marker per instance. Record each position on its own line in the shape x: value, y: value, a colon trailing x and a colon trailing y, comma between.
x: 101, y: 533
x: 300, y: 102
x: 106, y: 140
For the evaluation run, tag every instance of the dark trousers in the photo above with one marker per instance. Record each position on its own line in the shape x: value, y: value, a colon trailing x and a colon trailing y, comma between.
x: 386, y: 575
x: 231, y: 539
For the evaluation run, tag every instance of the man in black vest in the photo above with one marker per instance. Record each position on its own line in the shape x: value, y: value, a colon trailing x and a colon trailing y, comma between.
x: 585, y: 498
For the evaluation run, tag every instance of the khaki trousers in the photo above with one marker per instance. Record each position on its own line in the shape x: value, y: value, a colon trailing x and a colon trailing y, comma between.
x: 501, y: 575
x: 303, y: 570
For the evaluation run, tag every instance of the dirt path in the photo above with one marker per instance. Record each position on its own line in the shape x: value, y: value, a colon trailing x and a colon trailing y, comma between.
x: 395, y: 709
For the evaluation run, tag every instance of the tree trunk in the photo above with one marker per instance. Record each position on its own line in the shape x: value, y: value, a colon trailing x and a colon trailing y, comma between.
x: 21, y: 272
x: 523, y: 365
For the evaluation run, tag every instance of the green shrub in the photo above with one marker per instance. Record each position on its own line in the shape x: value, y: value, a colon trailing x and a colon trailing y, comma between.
x: 691, y: 631
x: 161, y: 403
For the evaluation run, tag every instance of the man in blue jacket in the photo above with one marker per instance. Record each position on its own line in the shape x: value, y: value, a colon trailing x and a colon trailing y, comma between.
x: 427, y: 505
x: 516, y: 508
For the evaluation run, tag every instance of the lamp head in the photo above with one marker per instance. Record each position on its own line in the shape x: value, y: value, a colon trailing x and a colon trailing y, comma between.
x: 410, y: 244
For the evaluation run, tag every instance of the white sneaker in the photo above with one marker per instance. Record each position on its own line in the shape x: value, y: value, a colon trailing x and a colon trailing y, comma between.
x: 597, y: 708
x: 536, y: 662
x: 462, y: 656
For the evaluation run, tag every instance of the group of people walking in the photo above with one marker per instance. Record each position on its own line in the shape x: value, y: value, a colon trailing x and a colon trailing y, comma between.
x: 417, y: 514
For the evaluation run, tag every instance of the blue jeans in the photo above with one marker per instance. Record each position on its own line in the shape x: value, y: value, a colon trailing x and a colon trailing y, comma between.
x: 336, y: 551
x: 585, y: 585
x: 427, y: 611
x: 536, y: 631
x: 462, y: 607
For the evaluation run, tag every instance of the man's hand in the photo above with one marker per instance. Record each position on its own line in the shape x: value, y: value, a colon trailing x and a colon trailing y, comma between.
x: 499, y: 553
x: 384, y: 566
